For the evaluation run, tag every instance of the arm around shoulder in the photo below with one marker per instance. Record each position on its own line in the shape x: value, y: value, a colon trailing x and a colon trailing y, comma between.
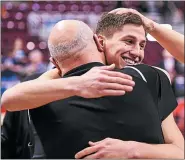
x: 165, y: 72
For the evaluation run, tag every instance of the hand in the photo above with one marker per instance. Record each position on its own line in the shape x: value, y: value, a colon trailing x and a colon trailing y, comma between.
x: 101, y: 81
x: 108, y: 148
x: 148, y: 23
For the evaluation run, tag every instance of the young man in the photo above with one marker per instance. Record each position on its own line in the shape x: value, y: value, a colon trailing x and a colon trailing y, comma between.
x: 114, y: 148
x: 129, y: 57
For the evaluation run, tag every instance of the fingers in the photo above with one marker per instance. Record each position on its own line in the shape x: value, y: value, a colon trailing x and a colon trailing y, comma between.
x: 91, y: 143
x: 101, y: 81
x: 115, y: 86
x: 108, y: 71
x: 98, y: 142
x: 118, y: 80
x: 124, y: 10
x: 87, y: 151
x: 94, y: 151
x: 94, y: 156
x: 108, y: 92
x: 121, y: 11
x: 117, y: 74
x: 118, y: 9
x: 110, y: 67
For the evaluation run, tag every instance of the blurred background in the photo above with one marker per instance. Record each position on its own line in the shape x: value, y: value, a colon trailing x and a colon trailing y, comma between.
x: 25, y: 26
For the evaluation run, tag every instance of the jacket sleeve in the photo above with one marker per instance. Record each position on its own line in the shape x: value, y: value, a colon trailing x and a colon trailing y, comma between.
x: 10, y: 131
x: 8, y: 143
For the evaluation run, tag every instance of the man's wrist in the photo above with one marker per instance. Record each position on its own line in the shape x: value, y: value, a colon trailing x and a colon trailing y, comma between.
x: 134, y: 149
x: 74, y: 85
x: 150, y: 25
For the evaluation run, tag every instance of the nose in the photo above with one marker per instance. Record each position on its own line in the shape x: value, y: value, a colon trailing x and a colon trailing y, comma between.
x: 135, y: 52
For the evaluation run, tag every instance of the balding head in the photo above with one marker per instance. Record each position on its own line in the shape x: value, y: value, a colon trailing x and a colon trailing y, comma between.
x: 68, y: 38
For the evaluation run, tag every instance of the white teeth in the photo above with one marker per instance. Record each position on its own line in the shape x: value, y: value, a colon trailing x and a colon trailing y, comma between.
x: 129, y: 61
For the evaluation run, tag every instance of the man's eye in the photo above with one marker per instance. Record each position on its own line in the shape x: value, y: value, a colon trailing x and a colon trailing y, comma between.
x: 129, y: 41
x: 142, y: 46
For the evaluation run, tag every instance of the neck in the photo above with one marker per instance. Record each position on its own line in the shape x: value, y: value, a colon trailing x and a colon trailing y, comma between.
x: 71, y: 63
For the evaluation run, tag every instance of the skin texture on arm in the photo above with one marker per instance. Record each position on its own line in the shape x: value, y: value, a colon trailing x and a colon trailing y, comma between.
x: 98, y: 82
x: 171, y: 40
x: 30, y: 94
x: 114, y: 148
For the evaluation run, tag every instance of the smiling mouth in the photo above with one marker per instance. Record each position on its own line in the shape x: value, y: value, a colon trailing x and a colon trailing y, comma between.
x: 129, y: 61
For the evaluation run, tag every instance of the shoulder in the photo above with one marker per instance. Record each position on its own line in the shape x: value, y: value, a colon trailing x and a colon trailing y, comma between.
x: 148, y: 72
x: 164, y: 72
x: 155, y: 69
x: 145, y: 69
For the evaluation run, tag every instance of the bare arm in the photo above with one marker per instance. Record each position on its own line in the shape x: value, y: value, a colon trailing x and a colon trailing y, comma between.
x: 35, y: 93
x: 171, y: 40
x: 98, y: 82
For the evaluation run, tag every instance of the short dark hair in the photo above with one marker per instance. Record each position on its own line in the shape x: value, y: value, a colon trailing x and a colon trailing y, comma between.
x: 109, y: 23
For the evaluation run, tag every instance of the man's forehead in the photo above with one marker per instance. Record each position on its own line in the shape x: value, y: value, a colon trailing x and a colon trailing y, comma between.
x: 132, y: 31
x: 139, y: 37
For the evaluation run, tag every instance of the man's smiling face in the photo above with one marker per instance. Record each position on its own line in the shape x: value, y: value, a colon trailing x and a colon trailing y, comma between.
x: 126, y: 46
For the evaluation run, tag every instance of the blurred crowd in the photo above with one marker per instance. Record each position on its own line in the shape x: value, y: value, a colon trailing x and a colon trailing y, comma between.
x: 16, y: 65
x: 23, y: 53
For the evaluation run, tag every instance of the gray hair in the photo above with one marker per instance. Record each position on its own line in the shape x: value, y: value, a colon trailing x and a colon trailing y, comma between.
x: 66, y: 49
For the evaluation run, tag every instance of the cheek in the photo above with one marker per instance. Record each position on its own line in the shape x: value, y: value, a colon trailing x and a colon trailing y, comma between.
x: 109, y: 54
x: 142, y: 55
x: 109, y: 58
x: 124, y: 46
x: 113, y: 52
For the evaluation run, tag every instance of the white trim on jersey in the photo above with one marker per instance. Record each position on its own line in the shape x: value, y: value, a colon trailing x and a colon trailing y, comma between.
x: 29, y: 117
x: 167, y: 74
x: 141, y: 74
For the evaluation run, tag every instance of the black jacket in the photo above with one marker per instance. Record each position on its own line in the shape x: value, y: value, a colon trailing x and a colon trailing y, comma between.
x: 19, y: 139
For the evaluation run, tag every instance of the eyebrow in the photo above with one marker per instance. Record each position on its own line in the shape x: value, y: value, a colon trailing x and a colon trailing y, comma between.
x: 133, y: 37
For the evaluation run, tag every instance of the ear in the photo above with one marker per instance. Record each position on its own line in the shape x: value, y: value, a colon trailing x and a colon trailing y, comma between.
x: 56, y: 65
x: 99, y: 40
